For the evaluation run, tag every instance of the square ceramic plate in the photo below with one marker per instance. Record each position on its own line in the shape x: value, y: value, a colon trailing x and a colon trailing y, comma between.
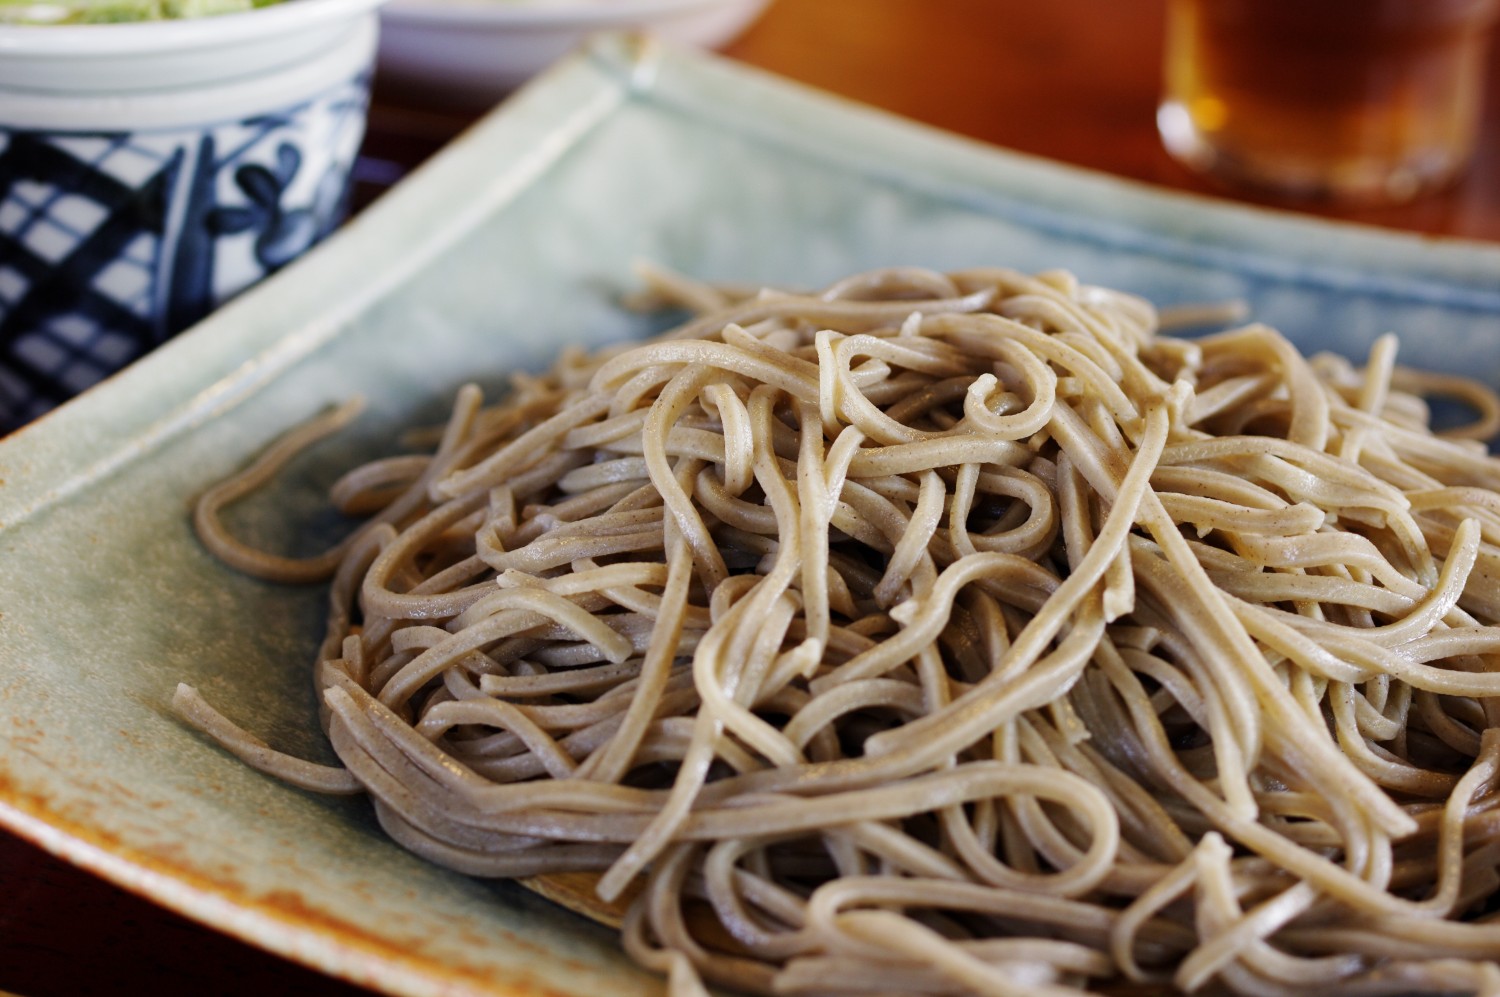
x: 517, y: 239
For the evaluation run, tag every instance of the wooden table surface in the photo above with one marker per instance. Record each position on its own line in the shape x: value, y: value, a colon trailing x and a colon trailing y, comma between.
x: 1072, y: 80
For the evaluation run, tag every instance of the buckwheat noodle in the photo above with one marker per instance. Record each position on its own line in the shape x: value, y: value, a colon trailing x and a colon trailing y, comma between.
x: 940, y: 634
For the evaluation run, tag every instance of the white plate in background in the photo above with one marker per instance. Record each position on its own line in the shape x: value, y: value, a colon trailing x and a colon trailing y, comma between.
x: 476, y: 51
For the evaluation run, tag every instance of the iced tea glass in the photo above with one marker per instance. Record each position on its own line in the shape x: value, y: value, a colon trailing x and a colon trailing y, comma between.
x: 1359, y: 101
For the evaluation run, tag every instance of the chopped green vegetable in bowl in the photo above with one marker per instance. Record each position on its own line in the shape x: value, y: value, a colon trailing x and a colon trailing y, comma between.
x: 116, y: 11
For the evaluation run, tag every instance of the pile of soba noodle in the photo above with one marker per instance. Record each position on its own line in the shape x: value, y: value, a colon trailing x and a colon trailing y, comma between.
x: 940, y: 634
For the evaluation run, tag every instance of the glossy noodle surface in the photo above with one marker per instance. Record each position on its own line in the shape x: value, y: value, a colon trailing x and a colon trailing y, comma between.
x: 939, y: 634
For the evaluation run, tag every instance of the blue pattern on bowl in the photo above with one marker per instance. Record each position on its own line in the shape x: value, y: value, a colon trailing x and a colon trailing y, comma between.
x: 111, y: 242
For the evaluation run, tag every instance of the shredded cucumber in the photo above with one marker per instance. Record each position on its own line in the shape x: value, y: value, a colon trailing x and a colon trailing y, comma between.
x: 115, y: 11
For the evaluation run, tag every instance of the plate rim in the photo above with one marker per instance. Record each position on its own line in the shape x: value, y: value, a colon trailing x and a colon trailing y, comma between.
x: 541, y: 17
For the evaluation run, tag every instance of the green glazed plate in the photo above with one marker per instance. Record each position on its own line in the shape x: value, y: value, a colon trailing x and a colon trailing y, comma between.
x: 517, y: 239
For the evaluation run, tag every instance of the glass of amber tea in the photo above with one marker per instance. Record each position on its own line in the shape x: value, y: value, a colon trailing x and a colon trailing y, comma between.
x: 1359, y: 101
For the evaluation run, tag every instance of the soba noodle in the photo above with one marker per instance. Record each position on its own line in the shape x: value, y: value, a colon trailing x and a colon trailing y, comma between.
x: 940, y: 634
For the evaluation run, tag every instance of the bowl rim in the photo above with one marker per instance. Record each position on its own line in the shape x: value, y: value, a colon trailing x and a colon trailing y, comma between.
x: 576, y: 14
x: 33, y: 42
x: 202, y: 105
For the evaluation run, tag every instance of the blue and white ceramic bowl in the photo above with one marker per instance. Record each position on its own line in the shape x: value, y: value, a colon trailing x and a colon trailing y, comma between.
x: 150, y: 171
